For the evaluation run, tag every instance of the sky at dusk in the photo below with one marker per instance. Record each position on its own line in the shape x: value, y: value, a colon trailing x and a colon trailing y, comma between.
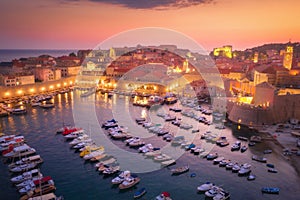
x: 83, y: 24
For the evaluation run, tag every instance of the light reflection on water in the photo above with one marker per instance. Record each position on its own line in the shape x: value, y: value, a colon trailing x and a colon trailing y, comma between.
x: 76, y: 179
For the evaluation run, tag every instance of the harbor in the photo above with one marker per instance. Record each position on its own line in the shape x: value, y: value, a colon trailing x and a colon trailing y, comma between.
x: 76, y: 178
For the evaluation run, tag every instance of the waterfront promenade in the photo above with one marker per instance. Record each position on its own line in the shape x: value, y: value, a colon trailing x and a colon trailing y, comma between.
x: 16, y: 92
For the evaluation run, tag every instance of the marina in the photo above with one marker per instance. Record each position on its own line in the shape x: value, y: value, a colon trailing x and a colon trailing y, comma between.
x: 81, y: 181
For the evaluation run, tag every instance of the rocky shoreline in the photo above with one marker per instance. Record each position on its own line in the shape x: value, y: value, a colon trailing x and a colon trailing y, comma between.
x: 282, y: 137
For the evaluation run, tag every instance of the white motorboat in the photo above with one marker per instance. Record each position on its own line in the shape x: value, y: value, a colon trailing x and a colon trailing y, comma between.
x: 30, y: 175
x: 213, y: 191
x: 132, y: 140
x: 222, y: 195
x: 245, y: 169
x: 79, y: 139
x: 136, y: 142
x: 6, y: 138
x: 98, y: 158
x: 74, y: 134
x: 11, y: 142
x: 236, y: 146
x: 198, y: 150
x: 23, y: 168
x: 119, y: 179
x: 205, y: 187
x: 32, y: 159
x: 236, y: 167
x: 153, y: 153
x: 120, y: 135
x: 146, y: 148
x: 224, y: 162
x: 111, y: 170
x: 161, y: 158
x: 163, y: 196
x: 129, y: 182
x: 229, y: 166
x: 83, y: 144
x: 259, y: 158
x: 105, y: 162
x: 43, y: 182
x: 93, y: 154
x: 218, y: 160
x: 212, y: 156
x: 20, y: 151
x: 24, y: 183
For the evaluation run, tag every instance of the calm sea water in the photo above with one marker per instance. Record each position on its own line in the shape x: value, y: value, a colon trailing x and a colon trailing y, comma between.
x: 77, y: 179
x: 7, y: 55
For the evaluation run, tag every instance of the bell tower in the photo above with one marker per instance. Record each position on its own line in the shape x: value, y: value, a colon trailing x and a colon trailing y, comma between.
x: 288, y: 57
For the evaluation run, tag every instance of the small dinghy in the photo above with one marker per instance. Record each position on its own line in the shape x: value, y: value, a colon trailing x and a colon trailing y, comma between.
x: 139, y: 193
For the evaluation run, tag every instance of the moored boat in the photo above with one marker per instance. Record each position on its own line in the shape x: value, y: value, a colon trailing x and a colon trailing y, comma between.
x: 236, y: 146
x: 180, y: 170
x: 213, y: 191
x: 120, y: 178
x: 212, y: 156
x: 270, y: 190
x: 235, y: 168
x: 205, y: 187
x: 251, y: 177
x: 217, y: 160
x: 245, y: 169
x: 30, y: 175
x: 244, y: 148
x: 47, y: 104
x: 23, y: 167
x: 139, y: 193
x: 259, y: 159
x: 272, y: 170
x: 111, y: 170
x: 222, y: 195
x: 32, y: 159
x: 20, y: 151
x: 129, y: 182
x: 164, y: 196
x: 161, y: 158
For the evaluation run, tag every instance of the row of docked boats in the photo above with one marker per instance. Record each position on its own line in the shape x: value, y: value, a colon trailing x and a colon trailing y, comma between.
x: 148, y: 150
x: 104, y: 164
x: 88, y: 150
x: 24, y: 166
x: 241, y: 169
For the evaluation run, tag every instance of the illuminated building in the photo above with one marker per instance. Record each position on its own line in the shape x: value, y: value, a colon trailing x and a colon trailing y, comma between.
x: 288, y: 57
x: 225, y: 51
x: 112, y: 53
x: 255, y: 58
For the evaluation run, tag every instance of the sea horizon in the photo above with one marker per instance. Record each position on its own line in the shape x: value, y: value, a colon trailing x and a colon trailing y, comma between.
x: 7, y: 55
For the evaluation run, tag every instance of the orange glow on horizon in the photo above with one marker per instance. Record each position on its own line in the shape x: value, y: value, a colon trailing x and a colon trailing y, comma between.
x: 244, y: 24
